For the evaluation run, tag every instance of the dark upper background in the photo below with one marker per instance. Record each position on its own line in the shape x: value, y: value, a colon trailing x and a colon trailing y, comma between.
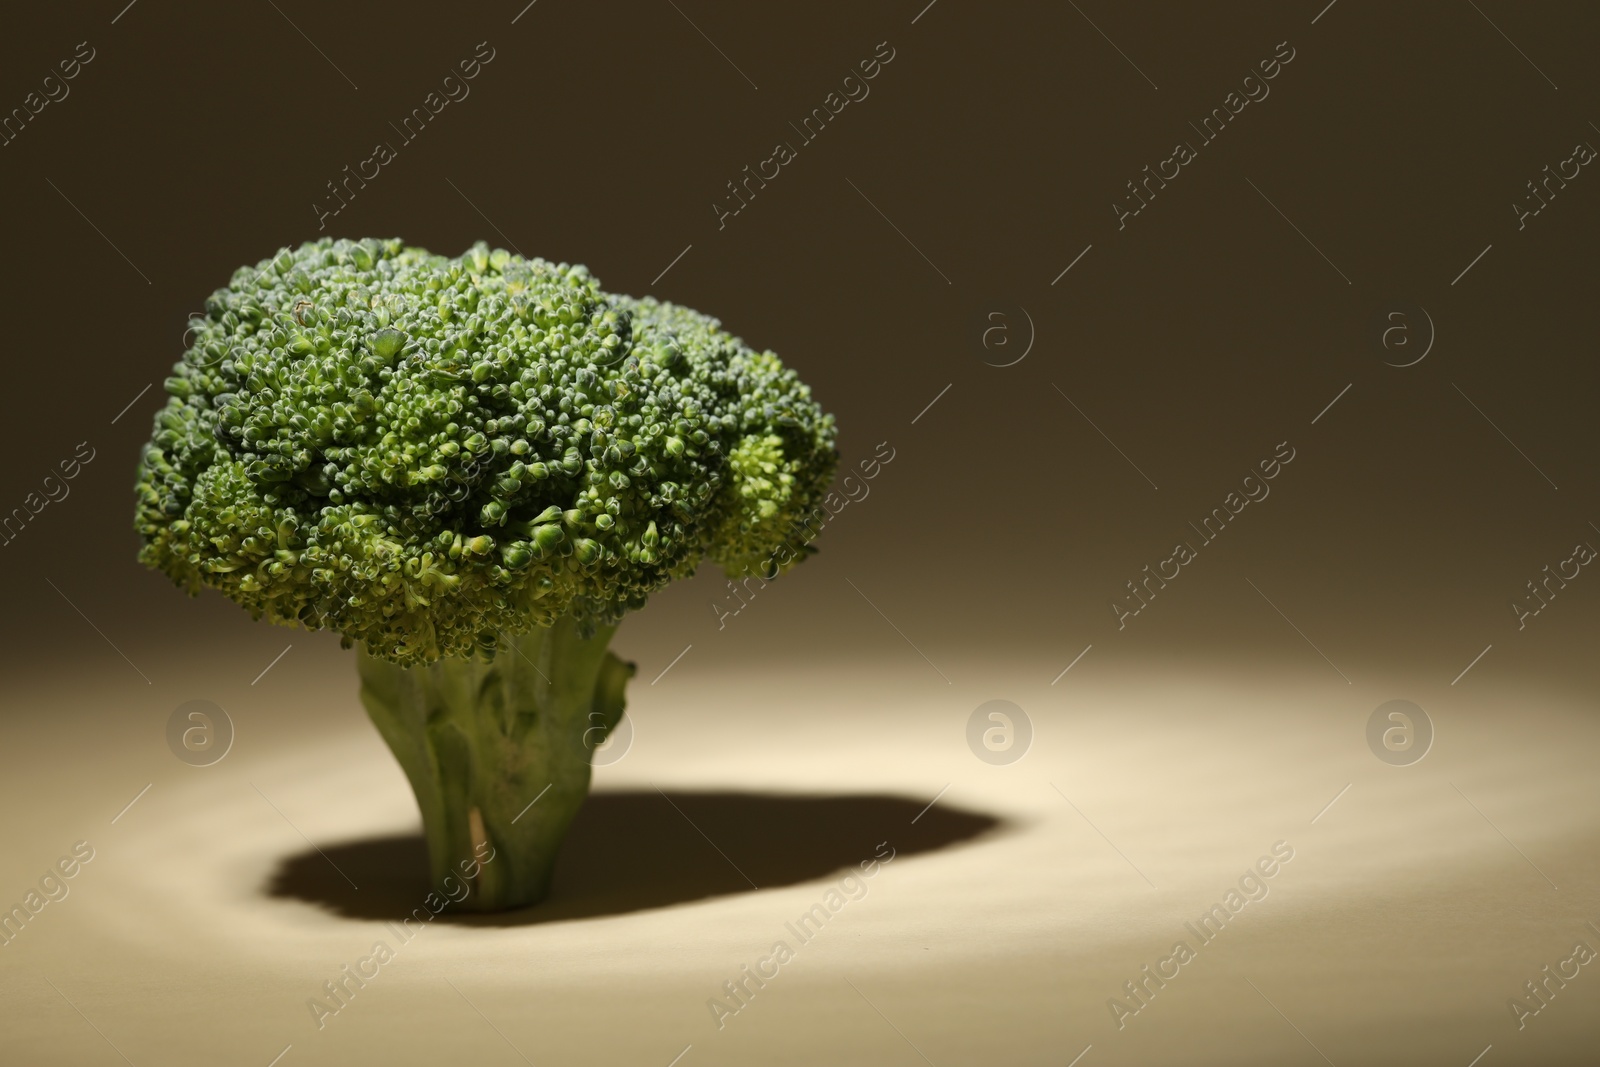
x: 1197, y: 338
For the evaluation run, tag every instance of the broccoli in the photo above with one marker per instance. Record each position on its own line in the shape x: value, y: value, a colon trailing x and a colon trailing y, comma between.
x: 473, y: 468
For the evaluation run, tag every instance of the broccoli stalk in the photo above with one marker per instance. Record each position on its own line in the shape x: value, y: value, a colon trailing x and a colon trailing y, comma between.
x: 472, y: 468
x: 497, y: 751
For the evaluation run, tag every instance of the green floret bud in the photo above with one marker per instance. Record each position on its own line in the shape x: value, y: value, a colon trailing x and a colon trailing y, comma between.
x: 422, y: 452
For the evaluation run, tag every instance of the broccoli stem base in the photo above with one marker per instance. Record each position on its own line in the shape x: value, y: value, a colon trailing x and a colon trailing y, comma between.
x: 498, y: 754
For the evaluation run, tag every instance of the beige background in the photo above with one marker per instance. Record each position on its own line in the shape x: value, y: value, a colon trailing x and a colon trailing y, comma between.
x: 1394, y: 936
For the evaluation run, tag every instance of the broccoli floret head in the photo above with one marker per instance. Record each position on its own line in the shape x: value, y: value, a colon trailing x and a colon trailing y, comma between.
x: 425, y: 452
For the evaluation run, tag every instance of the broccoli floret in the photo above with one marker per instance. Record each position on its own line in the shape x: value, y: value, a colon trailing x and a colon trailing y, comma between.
x: 423, y: 453
x: 436, y: 456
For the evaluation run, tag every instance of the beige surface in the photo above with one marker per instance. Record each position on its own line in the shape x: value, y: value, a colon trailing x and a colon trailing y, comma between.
x: 1395, y: 935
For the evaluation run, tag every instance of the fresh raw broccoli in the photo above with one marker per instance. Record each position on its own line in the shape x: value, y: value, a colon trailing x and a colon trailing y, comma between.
x: 472, y: 468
